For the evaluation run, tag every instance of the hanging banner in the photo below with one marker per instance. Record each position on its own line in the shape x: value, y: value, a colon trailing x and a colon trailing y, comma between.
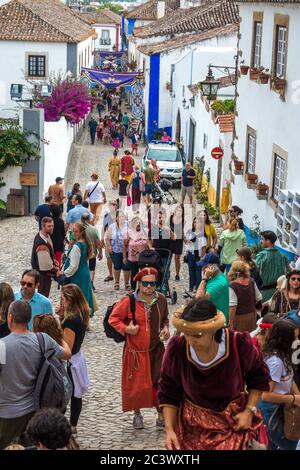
x: 114, y: 58
x: 111, y: 79
x: 137, y: 95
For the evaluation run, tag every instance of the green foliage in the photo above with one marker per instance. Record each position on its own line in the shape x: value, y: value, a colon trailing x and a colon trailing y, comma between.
x: 255, y: 231
x: 15, y: 148
x: 223, y: 106
x: 2, y: 204
x: 157, y: 135
x: 115, y: 7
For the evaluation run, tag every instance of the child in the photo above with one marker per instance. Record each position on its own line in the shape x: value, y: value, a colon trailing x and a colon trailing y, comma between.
x: 123, y: 191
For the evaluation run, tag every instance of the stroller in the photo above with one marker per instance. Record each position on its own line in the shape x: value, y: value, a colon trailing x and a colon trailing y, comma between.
x: 160, y: 259
x: 162, y: 189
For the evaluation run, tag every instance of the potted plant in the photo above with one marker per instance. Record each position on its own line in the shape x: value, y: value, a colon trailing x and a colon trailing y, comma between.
x: 264, y: 76
x: 244, y: 68
x: 168, y: 86
x: 262, y: 190
x: 278, y: 83
x: 238, y: 166
x: 254, y: 73
x: 252, y: 178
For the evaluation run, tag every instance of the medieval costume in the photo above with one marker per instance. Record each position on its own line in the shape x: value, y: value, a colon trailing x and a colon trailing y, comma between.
x: 143, y: 353
x: 271, y: 265
x: 208, y: 396
x: 114, y: 167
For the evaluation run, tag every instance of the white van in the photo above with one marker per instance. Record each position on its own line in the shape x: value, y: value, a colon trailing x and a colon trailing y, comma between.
x: 168, y: 158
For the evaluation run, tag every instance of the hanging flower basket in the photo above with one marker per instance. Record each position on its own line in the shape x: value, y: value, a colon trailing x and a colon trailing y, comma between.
x: 244, y: 69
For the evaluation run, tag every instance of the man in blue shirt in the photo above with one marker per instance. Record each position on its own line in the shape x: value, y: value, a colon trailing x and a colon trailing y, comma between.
x: 43, y: 210
x: 74, y: 215
x: 38, y: 302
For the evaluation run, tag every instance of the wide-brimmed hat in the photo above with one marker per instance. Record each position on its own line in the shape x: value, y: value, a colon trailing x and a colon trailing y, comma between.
x: 195, y: 328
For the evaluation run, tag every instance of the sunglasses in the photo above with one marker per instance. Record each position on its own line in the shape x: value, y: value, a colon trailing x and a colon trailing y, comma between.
x: 148, y: 283
x: 295, y: 279
x: 28, y: 284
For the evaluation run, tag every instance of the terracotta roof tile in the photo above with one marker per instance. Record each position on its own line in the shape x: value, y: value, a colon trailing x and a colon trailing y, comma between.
x: 186, y: 40
x: 148, y: 10
x: 103, y: 16
x: 41, y: 20
x: 267, y: 1
x: 210, y: 15
x: 226, y: 122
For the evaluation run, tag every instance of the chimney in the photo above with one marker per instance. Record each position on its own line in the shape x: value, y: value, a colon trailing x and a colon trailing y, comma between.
x: 161, y: 9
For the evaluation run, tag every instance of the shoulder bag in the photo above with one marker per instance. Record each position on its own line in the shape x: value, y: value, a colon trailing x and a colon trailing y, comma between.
x: 89, y: 194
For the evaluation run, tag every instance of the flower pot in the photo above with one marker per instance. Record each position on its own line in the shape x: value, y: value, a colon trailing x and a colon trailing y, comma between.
x: 278, y: 83
x: 238, y: 165
x: 244, y: 69
x: 264, y: 78
x: 252, y: 178
x: 262, y: 191
x: 254, y: 74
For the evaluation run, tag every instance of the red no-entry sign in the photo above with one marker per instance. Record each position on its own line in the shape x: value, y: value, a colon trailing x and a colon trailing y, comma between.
x: 217, y: 153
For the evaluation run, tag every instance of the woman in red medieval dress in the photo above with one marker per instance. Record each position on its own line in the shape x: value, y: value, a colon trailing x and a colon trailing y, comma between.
x: 202, y: 384
x: 144, y: 349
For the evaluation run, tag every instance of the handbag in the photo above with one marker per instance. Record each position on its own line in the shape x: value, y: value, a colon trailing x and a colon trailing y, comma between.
x: 291, y: 422
x: 128, y: 200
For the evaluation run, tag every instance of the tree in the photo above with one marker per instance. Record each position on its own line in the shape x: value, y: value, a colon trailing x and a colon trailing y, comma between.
x: 115, y: 7
x: 70, y: 99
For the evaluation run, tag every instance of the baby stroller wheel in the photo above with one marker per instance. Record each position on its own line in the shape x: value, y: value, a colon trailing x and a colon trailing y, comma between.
x: 174, y: 297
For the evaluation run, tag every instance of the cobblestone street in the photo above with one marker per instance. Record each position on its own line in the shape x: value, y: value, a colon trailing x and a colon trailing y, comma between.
x: 102, y: 424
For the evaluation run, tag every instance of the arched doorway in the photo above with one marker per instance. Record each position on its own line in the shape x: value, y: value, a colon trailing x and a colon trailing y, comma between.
x: 178, y: 127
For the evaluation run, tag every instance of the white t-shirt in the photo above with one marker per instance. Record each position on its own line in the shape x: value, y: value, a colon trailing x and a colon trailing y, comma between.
x: 220, y: 353
x: 96, y: 196
x: 279, y: 375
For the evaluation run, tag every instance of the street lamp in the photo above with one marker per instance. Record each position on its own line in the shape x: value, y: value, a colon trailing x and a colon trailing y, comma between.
x: 45, y: 91
x: 192, y: 101
x: 210, y: 85
x: 184, y: 104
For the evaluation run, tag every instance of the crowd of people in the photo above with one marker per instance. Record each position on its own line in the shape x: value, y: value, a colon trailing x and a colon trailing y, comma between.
x: 229, y: 376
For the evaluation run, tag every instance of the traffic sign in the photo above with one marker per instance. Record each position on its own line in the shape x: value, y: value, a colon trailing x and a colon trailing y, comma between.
x: 217, y: 153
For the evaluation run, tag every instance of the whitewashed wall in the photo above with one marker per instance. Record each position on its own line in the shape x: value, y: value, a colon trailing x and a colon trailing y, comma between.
x: 12, y: 54
x: 11, y: 180
x: 82, y: 53
x: 60, y: 137
x: 276, y: 121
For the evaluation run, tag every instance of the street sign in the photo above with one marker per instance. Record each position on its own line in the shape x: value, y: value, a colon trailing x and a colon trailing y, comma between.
x: 217, y: 153
x: 28, y: 179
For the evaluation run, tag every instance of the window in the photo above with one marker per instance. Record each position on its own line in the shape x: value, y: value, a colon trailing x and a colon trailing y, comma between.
x: 105, y: 34
x: 250, y: 150
x: 279, y: 175
x: 257, y: 44
x: 281, y: 51
x: 36, y: 66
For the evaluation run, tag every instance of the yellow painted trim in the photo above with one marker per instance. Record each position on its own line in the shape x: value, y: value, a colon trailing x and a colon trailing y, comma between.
x: 223, y: 358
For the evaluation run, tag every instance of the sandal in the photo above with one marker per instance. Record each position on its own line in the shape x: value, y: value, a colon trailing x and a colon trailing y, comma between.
x: 128, y: 287
x: 108, y: 278
x: 117, y: 286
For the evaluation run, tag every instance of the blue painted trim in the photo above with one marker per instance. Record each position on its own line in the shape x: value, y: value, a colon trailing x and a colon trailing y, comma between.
x: 251, y: 240
x: 167, y: 129
x: 153, y: 102
x: 131, y: 23
x: 123, y: 32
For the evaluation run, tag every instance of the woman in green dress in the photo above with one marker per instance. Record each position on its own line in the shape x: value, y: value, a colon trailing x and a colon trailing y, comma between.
x: 76, y: 267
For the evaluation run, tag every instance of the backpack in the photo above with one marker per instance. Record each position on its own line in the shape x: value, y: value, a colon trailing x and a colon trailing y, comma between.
x: 53, y: 388
x: 109, y: 330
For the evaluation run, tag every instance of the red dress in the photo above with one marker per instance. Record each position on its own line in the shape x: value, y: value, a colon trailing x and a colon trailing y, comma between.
x: 143, y: 353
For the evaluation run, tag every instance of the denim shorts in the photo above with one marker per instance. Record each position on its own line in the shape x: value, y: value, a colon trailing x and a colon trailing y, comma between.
x: 148, y: 189
x: 117, y: 260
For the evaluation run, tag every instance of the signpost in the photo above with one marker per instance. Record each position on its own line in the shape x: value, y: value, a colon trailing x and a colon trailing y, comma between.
x: 217, y: 153
x: 28, y: 179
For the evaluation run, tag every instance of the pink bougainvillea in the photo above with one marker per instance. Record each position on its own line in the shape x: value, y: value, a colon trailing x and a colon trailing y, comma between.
x: 69, y: 99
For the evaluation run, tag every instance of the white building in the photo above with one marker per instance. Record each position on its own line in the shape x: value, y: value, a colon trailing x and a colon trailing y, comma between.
x: 268, y: 121
x: 108, y: 27
x: 39, y: 38
x: 194, y: 123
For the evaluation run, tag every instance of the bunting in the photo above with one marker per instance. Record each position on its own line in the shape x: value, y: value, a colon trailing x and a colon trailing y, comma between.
x: 111, y: 79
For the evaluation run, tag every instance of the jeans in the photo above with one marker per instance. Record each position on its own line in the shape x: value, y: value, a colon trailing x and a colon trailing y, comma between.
x: 275, y: 428
x: 194, y: 271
